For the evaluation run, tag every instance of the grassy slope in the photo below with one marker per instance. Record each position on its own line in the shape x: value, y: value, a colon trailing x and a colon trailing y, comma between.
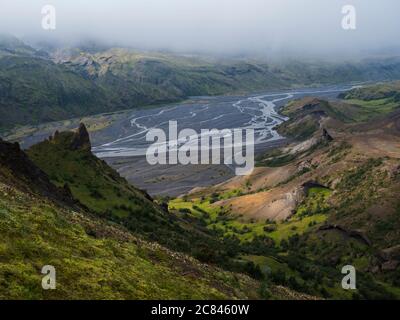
x: 220, y: 219
x: 305, y: 116
x: 374, y: 101
x: 105, y: 193
x: 95, y: 260
x: 359, y: 105
x: 302, y: 250
x: 91, y: 180
x: 34, y: 90
x: 374, y: 92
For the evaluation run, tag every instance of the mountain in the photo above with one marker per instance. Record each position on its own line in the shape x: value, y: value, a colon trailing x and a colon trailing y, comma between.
x: 39, y: 86
x: 34, y: 89
x: 96, y: 258
x: 389, y: 92
x: 150, y: 77
x: 327, y: 199
x: 68, y: 161
x: 10, y: 45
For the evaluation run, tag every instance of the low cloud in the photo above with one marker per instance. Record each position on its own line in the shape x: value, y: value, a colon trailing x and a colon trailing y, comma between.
x: 261, y: 27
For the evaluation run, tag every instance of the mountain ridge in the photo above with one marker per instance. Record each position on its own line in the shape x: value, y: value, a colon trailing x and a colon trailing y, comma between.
x: 56, y: 85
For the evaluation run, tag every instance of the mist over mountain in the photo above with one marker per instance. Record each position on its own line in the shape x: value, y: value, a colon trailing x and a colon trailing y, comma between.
x: 268, y: 29
x: 50, y: 83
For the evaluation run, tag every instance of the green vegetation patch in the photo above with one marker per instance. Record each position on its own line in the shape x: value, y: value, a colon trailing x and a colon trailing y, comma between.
x: 315, y: 202
x: 114, y: 265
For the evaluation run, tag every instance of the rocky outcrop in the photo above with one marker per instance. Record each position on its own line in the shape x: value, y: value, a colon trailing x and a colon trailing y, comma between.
x: 282, y: 207
x: 81, y: 139
x: 26, y: 176
x: 312, y: 184
x: 319, y: 139
x: 355, y: 234
x: 389, y: 258
x: 326, y: 136
x: 390, y: 253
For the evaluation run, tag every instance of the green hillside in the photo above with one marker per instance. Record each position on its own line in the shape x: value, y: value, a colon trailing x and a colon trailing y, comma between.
x: 38, y: 86
x: 388, y: 90
x: 67, y: 160
x: 69, y: 163
x: 359, y: 105
x: 338, y: 181
x: 34, y: 90
x: 94, y: 259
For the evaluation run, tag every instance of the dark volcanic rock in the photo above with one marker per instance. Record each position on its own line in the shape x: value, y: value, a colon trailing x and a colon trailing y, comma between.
x: 326, y: 135
x: 27, y: 176
x: 81, y: 139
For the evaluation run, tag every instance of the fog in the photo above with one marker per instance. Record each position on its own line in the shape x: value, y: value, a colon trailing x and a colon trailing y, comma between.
x: 258, y: 27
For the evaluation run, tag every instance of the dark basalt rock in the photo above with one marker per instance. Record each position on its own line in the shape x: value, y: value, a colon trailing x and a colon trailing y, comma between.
x: 312, y: 106
x: 28, y: 177
x: 164, y: 207
x: 326, y: 135
x: 146, y: 195
x: 81, y: 140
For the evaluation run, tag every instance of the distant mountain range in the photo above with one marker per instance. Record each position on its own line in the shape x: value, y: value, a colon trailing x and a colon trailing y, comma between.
x: 42, y: 85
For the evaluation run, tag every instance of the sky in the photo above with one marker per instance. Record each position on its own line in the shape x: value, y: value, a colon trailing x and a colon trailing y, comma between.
x: 260, y: 27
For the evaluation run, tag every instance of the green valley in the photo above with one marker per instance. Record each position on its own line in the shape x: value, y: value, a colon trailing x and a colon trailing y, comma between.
x: 38, y: 86
x: 340, y: 195
x: 200, y: 158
